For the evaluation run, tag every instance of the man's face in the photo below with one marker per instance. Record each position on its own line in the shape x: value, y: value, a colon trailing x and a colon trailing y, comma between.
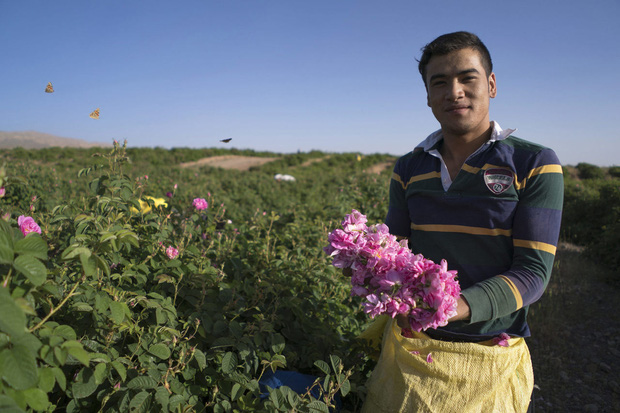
x: 458, y: 92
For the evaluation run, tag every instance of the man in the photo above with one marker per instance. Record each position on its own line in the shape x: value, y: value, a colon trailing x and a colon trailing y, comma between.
x: 490, y: 204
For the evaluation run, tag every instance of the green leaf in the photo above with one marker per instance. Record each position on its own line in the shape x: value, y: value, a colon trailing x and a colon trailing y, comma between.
x: 32, y: 268
x: 323, y: 366
x: 85, y: 384
x: 317, y: 407
x: 6, y: 248
x: 229, y: 362
x: 236, y: 391
x: 120, y: 369
x: 99, y: 357
x: 25, y: 306
x: 335, y: 361
x: 66, y: 332
x: 175, y: 401
x: 277, y: 398
x: 223, y: 406
x: 117, y: 312
x: 345, y: 388
x: 162, y: 397
x: 160, y: 316
x: 74, y: 251
x: 19, y: 367
x: 32, y: 245
x: 61, y: 355
x: 102, y: 265
x: 13, y: 319
x: 101, y: 372
x: 81, y: 306
x: 293, y: 398
x: 8, y: 405
x: 277, y: 343
x: 60, y: 378
x: 89, y: 264
x: 36, y: 399
x: 46, y: 379
x: 326, y: 381
x: 200, y: 359
x: 160, y: 350
x: 77, y: 351
x: 142, y: 383
x: 30, y: 341
x: 141, y: 402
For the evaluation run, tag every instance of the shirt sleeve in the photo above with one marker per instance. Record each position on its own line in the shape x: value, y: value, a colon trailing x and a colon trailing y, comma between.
x: 398, y: 220
x: 535, y: 233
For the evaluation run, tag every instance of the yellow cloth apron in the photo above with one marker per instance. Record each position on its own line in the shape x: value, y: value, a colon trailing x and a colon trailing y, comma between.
x: 462, y: 377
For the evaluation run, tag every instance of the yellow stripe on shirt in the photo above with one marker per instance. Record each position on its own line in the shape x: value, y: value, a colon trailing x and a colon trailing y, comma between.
x: 535, y: 245
x: 474, y: 170
x: 416, y: 178
x: 545, y: 169
x: 514, y: 289
x: 462, y: 229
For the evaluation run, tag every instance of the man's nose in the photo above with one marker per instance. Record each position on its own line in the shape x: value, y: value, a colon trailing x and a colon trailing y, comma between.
x: 455, y: 91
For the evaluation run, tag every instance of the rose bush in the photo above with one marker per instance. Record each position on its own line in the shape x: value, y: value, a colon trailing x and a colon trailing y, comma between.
x: 97, y: 315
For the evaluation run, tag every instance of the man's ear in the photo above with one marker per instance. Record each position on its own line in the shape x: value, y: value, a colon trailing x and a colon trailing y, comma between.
x: 428, y: 99
x: 492, y: 86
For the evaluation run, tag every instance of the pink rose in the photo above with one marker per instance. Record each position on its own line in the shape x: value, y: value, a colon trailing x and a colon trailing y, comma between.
x: 27, y: 225
x: 502, y: 340
x: 172, y: 252
x: 200, y: 204
x: 2, y: 191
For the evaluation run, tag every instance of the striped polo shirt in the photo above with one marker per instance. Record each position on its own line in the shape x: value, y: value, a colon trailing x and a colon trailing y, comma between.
x: 497, y: 224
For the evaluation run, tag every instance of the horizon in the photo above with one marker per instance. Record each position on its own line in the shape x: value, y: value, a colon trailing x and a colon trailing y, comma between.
x: 233, y: 148
x: 285, y: 77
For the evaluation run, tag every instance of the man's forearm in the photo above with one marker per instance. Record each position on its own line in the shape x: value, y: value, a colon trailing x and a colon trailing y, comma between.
x: 462, y: 310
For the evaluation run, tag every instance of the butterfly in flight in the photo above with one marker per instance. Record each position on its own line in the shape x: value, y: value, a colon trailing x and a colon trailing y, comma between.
x: 49, y: 88
x: 95, y: 114
x: 226, y: 140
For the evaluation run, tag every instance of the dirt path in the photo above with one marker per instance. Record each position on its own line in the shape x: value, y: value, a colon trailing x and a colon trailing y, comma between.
x: 380, y: 167
x: 238, y: 162
x: 244, y: 163
x: 576, y: 346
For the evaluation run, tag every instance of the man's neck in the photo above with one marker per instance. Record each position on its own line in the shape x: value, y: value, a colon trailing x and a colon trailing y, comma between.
x: 455, y: 149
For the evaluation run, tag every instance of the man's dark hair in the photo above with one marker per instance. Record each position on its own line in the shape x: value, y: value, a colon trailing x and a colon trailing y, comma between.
x: 451, y: 42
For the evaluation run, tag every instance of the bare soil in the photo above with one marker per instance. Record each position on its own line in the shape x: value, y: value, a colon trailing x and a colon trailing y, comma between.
x: 238, y: 162
x: 575, y: 343
x: 380, y: 167
x: 244, y: 163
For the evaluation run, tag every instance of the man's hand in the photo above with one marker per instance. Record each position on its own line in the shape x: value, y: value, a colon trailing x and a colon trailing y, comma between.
x: 462, y: 313
x: 462, y: 310
x: 402, y: 321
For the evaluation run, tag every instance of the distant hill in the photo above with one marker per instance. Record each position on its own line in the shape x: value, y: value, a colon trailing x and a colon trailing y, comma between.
x: 38, y: 140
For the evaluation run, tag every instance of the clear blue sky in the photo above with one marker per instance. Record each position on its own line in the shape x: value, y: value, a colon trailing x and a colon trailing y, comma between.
x: 289, y: 75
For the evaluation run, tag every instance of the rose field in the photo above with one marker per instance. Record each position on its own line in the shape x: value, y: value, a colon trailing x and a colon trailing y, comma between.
x: 132, y: 282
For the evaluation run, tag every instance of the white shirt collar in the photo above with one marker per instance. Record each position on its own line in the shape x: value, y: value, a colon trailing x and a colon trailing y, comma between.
x: 431, y: 141
x: 497, y: 134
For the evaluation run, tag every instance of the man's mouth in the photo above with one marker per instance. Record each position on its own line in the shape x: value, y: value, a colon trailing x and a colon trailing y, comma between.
x: 457, y: 109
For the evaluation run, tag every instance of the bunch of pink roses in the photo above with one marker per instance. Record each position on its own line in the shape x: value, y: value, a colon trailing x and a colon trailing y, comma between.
x: 390, y: 277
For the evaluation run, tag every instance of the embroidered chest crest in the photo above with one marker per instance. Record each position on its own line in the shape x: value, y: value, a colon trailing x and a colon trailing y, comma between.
x: 498, y: 180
